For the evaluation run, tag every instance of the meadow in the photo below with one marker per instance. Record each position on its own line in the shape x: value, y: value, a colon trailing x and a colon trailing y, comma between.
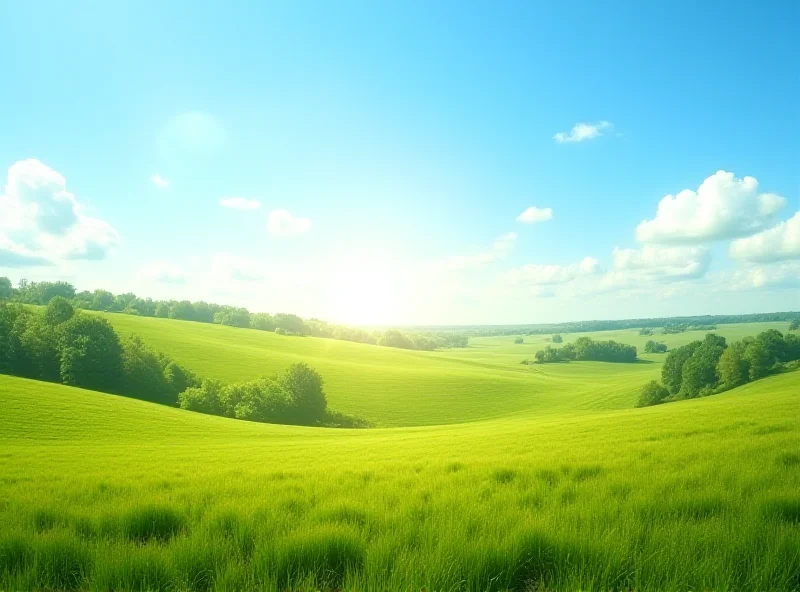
x: 487, y: 475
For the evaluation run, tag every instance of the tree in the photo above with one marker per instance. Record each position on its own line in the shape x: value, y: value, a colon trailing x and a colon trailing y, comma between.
x: 6, y: 289
x: 90, y: 352
x: 774, y: 345
x: 519, y: 340
x: 654, y: 347
x: 795, y: 325
x: 733, y: 368
x: 142, y: 375
x: 307, y: 399
x: 557, y: 339
x: 758, y: 360
x: 38, y: 343
x: 672, y: 370
x: 58, y: 311
x: 162, y: 310
x: 102, y: 300
x: 203, y: 399
x: 699, y: 373
x: 262, y: 321
x: 291, y: 323
x: 652, y: 393
x: 183, y: 310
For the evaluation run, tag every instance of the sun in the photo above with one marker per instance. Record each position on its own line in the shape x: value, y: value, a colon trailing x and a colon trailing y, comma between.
x: 364, y: 291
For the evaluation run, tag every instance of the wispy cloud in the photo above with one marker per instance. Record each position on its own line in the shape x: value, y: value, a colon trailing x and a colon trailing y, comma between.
x: 283, y: 223
x: 534, y: 214
x: 240, y: 203
x: 581, y: 132
x: 159, y: 181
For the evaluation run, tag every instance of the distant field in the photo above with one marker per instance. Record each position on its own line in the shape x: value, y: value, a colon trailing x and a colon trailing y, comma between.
x: 393, y: 387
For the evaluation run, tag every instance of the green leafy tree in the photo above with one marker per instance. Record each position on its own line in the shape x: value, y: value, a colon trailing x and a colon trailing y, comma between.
x: 699, y: 373
x: 795, y: 325
x: 307, y: 398
x: 142, y: 374
x: 59, y: 310
x: 204, y: 398
x: 672, y: 370
x: 652, y: 393
x: 519, y: 340
x: 102, y: 300
x: 758, y: 360
x: 6, y: 289
x: 39, y: 344
x: 733, y: 368
x: 162, y: 310
x: 557, y: 338
x: 774, y: 345
x: 91, y: 355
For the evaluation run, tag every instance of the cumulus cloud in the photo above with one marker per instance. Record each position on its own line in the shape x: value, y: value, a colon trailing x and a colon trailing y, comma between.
x: 42, y: 223
x: 722, y: 207
x: 658, y: 264
x: 534, y: 214
x: 164, y: 272
x: 159, y: 181
x: 502, y: 245
x: 785, y: 275
x: 283, y: 223
x: 581, y: 132
x: 229, y: 267
x: 551, y: 275
x: 240, y: 203
x: 776, y: 244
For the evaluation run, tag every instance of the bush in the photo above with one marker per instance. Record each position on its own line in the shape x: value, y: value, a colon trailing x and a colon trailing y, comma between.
x: 585, y: 348
x: 652, y: 393
x: 203, y: 399
x: 519, y: 340
x: 91, y: 355
x: 557, y: 339
x: 655, y: 347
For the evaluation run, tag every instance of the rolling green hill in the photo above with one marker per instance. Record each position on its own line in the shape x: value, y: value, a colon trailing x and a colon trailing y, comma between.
x: 112, y: 493
x: 393, y: 387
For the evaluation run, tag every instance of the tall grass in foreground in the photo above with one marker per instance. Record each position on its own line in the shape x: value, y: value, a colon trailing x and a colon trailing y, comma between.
x: 103, y: 493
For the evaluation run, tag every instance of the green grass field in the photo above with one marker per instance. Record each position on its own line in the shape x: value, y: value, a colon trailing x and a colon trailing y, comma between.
x: 493, y: 476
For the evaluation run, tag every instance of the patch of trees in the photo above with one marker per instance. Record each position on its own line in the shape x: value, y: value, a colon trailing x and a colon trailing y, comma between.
x: 655, y: 347
x: 683, y: 327
x: 711, y: 366
x: 203, y: 312
x: 295, y: 397
x: 795, y: 325
x: 59, y: 344
x: 696, y: 322
x: 645, y: 331
x: 587, y: 349
x: 557, y: 338
x: 519, y: 340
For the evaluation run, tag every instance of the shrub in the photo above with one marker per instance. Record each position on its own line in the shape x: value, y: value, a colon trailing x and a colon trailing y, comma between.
x: 91, y: 355
x: 652, y: 393
x: 203, y: 399
x: 557, y: 339
x: 519, y: 340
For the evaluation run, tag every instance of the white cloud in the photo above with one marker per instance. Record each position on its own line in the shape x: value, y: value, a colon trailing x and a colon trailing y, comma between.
x: 240, y: 203
x: 534, y: 214
x: 501, y: 246
x: 722, y: 207
x: 583, y: 131
x: 551, y: 275
x: 164, y: 272
x: 41, y: 223
x: 657, y: 264
x: 776, y: 244
x: 159, y: 181
x: 770, y: 276
x: 283, y: 223
x: 230, y: 267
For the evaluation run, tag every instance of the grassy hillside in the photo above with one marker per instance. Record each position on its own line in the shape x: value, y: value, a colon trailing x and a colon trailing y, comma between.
x: 98, y: 491
x: 393, y: 387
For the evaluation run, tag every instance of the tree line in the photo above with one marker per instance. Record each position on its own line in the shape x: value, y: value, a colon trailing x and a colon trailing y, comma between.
x: 204, y: 312
x: 585, y: 348
x: 711, y: 366
x: 61, y: 344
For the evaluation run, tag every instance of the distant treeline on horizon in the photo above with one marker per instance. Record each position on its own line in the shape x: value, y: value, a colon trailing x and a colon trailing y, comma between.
x: 41, y: 293
x: 416, y: 337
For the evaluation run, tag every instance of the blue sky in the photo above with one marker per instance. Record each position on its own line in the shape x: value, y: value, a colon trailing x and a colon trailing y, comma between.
x: 404, y: 141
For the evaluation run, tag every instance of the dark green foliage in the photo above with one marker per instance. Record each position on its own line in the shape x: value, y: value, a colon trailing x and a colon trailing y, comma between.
x: 652, y: 393
x: 557, y: 338
x: 307, y: 402
x: 672, y: 370
x: 91, y: 355
x: 151, y: 376
x: 152, y: 522
x: 758, y: 360
x: 43, y: 292
x: 773, y: 343
x: 699, y: 372
x: 795, y: 325
x: 585, y: 348
x: 654, y: 347
x: 782, y: 509
x: 16, y: 554
x: 58, y: 311
x: 645, y: 331
x: 6, y: 289
x: 262, y: 322
x: 233, y: 317
x: 519, y: 340
x: 733, y: 368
